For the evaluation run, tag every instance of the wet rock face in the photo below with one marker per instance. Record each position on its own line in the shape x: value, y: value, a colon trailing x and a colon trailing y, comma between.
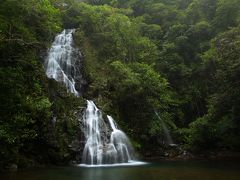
x: 78, y: 71
x: 172, y: 151
x: 166, y: 151
x: 77, y: 144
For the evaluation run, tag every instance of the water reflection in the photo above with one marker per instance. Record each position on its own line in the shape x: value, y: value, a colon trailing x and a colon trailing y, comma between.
x: 153, y: 171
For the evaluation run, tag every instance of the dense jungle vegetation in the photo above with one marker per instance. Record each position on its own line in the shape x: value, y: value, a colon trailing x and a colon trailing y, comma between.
x: 179, y: 58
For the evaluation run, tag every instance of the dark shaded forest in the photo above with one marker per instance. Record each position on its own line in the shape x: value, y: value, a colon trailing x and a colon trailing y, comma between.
x: 179, y: 58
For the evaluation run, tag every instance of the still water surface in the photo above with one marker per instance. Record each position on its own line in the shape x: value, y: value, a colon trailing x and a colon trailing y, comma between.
x: 183, y: 170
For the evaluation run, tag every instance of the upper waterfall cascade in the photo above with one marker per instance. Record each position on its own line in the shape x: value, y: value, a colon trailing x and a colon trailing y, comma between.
x: 60, y: 60
x: 105, y: 144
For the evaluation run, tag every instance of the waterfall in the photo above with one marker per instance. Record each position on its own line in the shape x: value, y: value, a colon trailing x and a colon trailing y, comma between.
x: 165, y: 130
x: 99, y: 149
x: 60, y: 61
x: 105, y: 144
x: 120, y: 141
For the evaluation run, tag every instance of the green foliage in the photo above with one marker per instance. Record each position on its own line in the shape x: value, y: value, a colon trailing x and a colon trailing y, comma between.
x: 222, y: 120
x: 26, y: 27
x: 179, y: 58
x: 25, y: 109
x: 125, y: 87
x: 113, y: 34
x: 227, y: 14
x: 176, y: 40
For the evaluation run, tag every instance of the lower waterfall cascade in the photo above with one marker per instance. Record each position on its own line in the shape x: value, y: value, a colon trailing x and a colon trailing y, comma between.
x: 98, y: 148
x: 105, y: 143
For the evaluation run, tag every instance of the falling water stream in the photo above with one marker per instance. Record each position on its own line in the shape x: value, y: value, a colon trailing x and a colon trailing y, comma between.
x: 60, y: 60
x: 105, y: 143
x: 165, y: 130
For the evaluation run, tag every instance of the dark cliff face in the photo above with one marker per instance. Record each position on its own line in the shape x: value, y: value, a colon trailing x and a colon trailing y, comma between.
x: 79, y: 75
x: 66, y: 133
x: 69, y: 110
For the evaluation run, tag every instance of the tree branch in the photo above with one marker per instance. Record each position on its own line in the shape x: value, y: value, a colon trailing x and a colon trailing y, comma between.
x: 34, y: 43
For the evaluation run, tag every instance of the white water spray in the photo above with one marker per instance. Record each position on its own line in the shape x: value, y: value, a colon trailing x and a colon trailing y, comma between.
x: 60, y: 62
x: 100, y: 149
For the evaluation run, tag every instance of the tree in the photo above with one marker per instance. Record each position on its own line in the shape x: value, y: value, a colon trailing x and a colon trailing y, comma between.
x: 227, y: 14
